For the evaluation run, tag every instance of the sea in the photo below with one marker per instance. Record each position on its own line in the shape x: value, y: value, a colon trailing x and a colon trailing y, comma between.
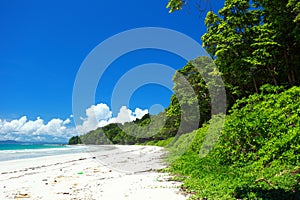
x: 32, y: 150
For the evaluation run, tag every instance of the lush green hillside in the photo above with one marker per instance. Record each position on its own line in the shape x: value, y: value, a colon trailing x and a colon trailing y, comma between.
x: 256, y: 156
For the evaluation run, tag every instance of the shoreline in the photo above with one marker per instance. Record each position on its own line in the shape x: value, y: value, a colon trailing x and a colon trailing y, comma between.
x: 125, y: 172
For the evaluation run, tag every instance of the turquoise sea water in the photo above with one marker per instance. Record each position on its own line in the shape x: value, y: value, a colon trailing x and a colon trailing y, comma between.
x: 29, y: 146
x: 27, y: 150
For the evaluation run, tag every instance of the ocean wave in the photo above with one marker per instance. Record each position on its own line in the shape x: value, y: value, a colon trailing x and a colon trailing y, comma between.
x: 42, y: 150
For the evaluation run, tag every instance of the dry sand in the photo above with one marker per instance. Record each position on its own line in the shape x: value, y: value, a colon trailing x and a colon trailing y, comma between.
x: 127, y: 172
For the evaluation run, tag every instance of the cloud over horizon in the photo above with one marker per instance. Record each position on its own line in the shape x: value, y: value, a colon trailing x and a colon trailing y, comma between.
x: 100, y: 115
x: 59, y: 130
x: 23, y: 129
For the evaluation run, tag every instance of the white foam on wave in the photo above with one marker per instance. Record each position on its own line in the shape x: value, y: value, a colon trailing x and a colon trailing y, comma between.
x: 6, y: 155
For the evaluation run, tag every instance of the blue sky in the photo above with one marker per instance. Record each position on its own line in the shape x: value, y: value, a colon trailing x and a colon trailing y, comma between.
x: 43, y: 44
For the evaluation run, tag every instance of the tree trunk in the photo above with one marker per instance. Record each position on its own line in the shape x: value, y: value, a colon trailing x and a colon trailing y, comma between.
x: 255, y: 85
x: 272, y: 75
x: 290, y: 71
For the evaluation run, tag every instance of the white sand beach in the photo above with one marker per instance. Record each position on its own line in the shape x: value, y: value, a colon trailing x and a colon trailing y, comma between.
x: 127, y: 172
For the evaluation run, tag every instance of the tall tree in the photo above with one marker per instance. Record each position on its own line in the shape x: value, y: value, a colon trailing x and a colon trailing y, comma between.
x: 254, y: 43
x: 228, y: 40
x: 282, y: 17
x: 200, y: 76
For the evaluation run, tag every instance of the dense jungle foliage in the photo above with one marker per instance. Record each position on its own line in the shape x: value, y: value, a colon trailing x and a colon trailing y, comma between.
x: 256, y: 155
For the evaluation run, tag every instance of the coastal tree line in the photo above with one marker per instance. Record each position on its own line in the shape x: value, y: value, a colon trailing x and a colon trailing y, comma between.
x: 255, y: 45
x: 251, y: 42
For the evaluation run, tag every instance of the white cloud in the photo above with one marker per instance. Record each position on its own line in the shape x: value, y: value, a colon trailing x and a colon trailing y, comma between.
x: 100, y: 115
x: 22, y: 128
x: 31, y: 126
x: 124, y: 115
x: 139, y: 113
x: 67, y: 121
x: 54, y: 127
x: 60, y: 129
x: 94, y: 114
x: 15, y: 125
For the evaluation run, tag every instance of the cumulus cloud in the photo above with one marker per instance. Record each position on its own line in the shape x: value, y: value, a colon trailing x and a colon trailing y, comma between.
x: 95, y: 116
x: 24, y: 129
x: 139, y: 113
x: 67, y: 121
x: 55, y: 127
x: 100, y: 115
x: 31, y: 126
x: 126, y: 115
x: 58, y: 129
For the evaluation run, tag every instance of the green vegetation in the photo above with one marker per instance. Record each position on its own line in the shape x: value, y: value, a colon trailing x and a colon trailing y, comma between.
x: 75, y: 140
x: 254, y: 44
x: 191, y: 93
x: 255, y: 153
x: 256, y: 156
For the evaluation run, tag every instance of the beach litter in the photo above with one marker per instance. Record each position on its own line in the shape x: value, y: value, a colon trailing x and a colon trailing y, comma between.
x: 21, y: 196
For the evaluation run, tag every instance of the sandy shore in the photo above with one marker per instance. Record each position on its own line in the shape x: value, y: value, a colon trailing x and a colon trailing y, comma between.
x: 126, y: 172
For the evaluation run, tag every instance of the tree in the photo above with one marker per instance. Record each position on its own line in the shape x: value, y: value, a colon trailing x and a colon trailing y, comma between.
x: 75, y: 140
x: 228, y: 40
x: 254, y: 43
x: 282, y: 17
x: 191, y: 97
x: 194, y: 85
x: 175, y: 5
x: 294, y: 5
